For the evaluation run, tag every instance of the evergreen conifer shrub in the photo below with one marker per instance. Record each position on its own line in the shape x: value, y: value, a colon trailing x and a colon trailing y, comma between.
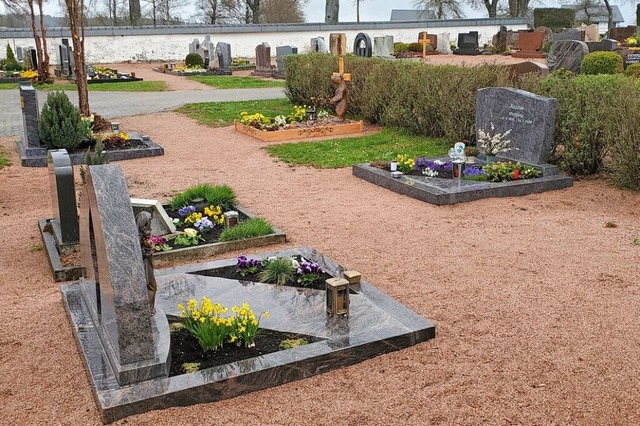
x: 193, y: 60
x: 60, y: 124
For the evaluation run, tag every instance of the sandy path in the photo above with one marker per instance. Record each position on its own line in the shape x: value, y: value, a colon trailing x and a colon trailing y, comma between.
x: 535, y: 301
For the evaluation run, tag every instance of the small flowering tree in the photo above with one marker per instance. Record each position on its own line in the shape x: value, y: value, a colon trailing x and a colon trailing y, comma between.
x: 494, y: 144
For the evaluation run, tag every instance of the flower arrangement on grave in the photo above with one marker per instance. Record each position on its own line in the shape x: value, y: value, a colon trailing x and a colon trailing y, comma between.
x: 187, y: 70
x: 262, y: 122
x: 188, y: 237
x: 508, y: 171
x: 30, y: 74
x: 307, y: 272
x: 471, y: 151
x: 246, y: 266
x: 159, y: 243
x: 633, y: 41
x: 281, y: 270
x: 120, y: 140
x: 496, y: 172
x: 495, y: 143
x: 406, y: 164
x: 206, y: 323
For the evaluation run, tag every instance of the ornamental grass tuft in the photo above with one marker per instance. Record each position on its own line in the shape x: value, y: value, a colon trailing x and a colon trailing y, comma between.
x: 278, y: 271
x: 220, y: 195
x: 254, y: 227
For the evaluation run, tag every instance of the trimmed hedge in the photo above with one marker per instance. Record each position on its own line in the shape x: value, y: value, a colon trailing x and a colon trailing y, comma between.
x: 633, y: 70
x: 554, y: 17
x: 602, y: 63
x: 193, y: 60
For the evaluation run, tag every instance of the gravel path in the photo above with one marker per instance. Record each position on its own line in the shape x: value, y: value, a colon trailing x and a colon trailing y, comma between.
x: 535, y: 300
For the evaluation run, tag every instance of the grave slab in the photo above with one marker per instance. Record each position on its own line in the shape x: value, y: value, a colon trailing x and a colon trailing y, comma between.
x: 377, y: 324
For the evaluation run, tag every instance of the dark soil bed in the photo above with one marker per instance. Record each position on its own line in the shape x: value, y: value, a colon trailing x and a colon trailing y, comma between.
x: 231, y: 273
x: 210, y: 235
x: 185, y: 349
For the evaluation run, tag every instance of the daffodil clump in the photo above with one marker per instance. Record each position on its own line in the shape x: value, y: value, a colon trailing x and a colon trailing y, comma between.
x: 405, y: 163
x: 633, y: 41
x: 29, y: 74
x: 212, y: 330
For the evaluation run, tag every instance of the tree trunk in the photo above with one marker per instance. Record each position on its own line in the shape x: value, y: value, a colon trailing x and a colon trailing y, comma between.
x: 36, y: 37
x: 357, y: 10
x: 331, y: 11
x: 134, y: 12
x: 75, y: 10
x: 492, y: 7
x: 610, y: 11
x: 43, y: 64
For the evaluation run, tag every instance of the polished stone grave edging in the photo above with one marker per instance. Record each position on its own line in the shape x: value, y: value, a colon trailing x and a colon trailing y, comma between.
x: 38, y: 157
x: 377, y: 325
x: 441, y: 191
x: 59, y: 271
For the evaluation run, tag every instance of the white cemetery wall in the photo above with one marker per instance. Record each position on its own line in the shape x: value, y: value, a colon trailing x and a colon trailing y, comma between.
x: 171, y: 43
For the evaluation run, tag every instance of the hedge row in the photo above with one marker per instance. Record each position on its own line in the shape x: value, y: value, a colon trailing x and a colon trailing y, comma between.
x: 596, y: 123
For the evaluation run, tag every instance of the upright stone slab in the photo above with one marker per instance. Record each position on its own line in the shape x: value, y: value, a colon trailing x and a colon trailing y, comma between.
x: 208, y: 49
x: 591, y: 32
x: 444, y: 43
x: 467, y: 44
x: 567, y: 54
x: 362, y: 45
x: 570, y: 34
x: 263, y: 61
x: 319, y: 45
x: 338, y: 43
x: 621, y: 34
x: 223, y: 51
x: 194, y: 46
x: 383, y: 46
x: 606, y: 45
x: 161, y: 223
x: 63, y: 198
x: 522, y: 68
x: 530, y: 117
x: 530, y: 45
x: 500, y: 40
x: 281, y: 53
x: 114, y: 290
x: 19, y: 54
x: 30, y: 144
x: 548, y: 33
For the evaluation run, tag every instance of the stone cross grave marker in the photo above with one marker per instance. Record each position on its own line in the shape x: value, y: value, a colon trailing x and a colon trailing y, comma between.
x: 567, y: 54
x: 530, y: 117
x: 383, y: 46
x: 362, y: 45
x: 281, y: 53
x: 424, y: 41
x: 338, y: 43
x: 63, y: 198
x: 115, y: 288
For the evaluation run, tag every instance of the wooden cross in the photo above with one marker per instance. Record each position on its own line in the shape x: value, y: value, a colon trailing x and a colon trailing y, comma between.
x: 345, y: 77
x: 424, y: 41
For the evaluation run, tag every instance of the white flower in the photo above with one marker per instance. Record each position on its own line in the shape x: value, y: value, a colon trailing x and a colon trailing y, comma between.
x: 429, y: 172
x: 175, y: 220
x: 494, y: 144
x: 438, y: 162
x: 295, y: 263
x: 190, y: 232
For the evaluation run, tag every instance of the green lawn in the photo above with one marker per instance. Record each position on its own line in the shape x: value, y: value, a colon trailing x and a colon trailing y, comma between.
x: 219, y: 114
x: 132, y: 86
x: 4, y: 160
x: 345, y: 152
x: 229, y: 82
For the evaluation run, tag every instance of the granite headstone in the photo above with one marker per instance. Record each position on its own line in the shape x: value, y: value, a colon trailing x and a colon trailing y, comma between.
x: 318, y: 45
x: 63, y: 198
x: 207, y: 51
x: 223, y: 54
x: 570, y: 34
x: 467, y: 44
x: 567, y: 54
x: 383, y: 46
x: 621, y: 34
x: 530, y: 117
x: 530, y: 45
x: 30, y: 117
x: 281, y: 53
x: 263, y: 61
x: 591, y: 32
x: 362, y: 45
x: 19, y: 54
x: 500, y: 40
x: 444, y: 43
x: 115, y: 289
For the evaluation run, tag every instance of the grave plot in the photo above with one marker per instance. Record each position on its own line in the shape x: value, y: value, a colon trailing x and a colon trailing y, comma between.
x: 97, y: 74
x: 118, y: 145
x: 125, y: 323
x: 214, y: 59
x: 515, y: 130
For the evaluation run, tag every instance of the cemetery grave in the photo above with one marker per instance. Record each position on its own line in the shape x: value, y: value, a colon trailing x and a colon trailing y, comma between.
x: 99, y: 74
x: 129, y: 351
x: 118, y: 145
x: 216, y: 59
x: 516, y: 128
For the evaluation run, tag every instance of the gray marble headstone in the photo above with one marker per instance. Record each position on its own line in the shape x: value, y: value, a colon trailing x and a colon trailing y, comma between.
x: 194, y: 46
x: 19, y: 54
x: 115, y: 289
x: 30, y: 115
x: 444, y: 43
x: 319, y: 45
x: 63, y: 198
x: 383, y: 46
x: 223, y: 52
x: 281, y: 53
x: 530, y: 117
x: 208, y: 51
x: 567, y: 54
x: 570, y: 34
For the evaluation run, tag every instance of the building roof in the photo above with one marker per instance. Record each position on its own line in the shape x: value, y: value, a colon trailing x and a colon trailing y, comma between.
x: 598, y: 14
x: 411, y: 15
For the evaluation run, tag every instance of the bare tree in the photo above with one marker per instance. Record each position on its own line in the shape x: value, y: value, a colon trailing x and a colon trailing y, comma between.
x: 443, y: 9
x: 357, y: 2
x: 134, y: 12
x: 491, y: 6
x: 282, y: 11
x: 76, y: 17
x: 518, y: 8
x: 40, y: 39
x: 332, y: 11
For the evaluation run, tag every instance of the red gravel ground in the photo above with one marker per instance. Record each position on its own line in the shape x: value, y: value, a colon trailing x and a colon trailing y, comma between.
x: 535, y: 300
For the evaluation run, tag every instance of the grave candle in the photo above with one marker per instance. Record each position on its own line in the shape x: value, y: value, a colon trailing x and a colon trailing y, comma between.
x: 393, y: 166
x: 337, y: 296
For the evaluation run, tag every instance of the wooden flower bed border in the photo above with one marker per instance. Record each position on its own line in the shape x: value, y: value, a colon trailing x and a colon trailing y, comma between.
x: 300, y: 133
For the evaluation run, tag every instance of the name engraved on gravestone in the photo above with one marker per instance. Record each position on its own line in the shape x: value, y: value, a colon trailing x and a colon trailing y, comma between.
x: 632, y: 58
x: 530, y: 117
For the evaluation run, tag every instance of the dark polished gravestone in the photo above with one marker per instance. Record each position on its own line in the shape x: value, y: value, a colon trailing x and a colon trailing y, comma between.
x: 606, y: 45
x: 130, y: 345
x: 377, y: 324
x: 223, y: 54
x: 281, y: 53
x: 362, y: 45
x: 65, y: 52
x: 63, y: 198
x: 30, y: 144
x: 567, y: 54
x: 570, y: 34
x: 467, y: 44
x: 529, y: 117
x: 263, y: 61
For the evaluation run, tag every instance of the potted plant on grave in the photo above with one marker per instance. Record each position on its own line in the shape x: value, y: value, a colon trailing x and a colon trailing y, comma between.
x: 493, y: 144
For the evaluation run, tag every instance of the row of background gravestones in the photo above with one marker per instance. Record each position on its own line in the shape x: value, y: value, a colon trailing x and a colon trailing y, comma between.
x: 214, y: 56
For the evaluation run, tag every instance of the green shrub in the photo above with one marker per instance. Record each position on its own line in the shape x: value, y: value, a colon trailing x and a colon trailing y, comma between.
x: 220, y: 195
x: 633, y: 70
x: 602, y: 63
x: 254, y: 227
x: 277, y: 271
x: 193, y: 60
x: 554, y: 18
x: 60, y: 124
x: 11, y: 64
x: 546, y: 47
x: 399, y: 47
